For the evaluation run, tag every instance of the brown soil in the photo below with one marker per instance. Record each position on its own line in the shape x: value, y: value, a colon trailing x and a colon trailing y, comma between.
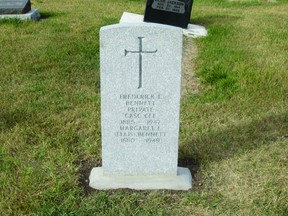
x: 190, y: 83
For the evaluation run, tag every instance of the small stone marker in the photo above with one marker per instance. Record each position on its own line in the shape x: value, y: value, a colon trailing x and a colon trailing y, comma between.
x: 170, y: 12
x: 15, y: 6
x: 140, y: 105
x: 18, y: 9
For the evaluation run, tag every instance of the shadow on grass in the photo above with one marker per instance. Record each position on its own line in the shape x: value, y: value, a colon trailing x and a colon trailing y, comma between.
x: 47, y: 15
x: 221, y: 145
x: 214, y: 19
x: 213, y: 146
x: 10, y: 119
x: 12, y: 21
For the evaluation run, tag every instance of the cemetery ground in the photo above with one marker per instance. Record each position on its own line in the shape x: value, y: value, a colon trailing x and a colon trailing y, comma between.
x: 233, y: 130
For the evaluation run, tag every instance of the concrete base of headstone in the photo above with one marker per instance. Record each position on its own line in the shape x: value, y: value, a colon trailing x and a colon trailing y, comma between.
x: 192, y: 30
x: 31, y: 15
x: 183, y: 181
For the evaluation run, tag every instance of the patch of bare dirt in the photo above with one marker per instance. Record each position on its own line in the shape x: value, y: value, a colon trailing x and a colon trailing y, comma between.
x: 84, y: 172
x: 194, y: 166
x: 190, y: 83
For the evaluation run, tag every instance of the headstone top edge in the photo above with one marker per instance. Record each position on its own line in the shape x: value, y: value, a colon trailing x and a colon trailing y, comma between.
x: 125, y: 25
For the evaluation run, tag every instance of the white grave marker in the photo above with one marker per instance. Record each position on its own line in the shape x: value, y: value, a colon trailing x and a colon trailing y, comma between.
x: 140, y: 105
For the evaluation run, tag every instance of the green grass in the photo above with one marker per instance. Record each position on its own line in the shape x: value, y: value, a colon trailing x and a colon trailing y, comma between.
x: 234, y: 131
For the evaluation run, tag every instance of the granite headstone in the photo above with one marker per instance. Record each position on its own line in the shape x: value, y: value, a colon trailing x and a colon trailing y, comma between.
x: 15, y: 6
x: 140, y: 68
x: 170, y: 12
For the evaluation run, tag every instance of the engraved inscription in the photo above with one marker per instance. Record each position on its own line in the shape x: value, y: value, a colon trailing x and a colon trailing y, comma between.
x: 140, y: 119
x: 173, y: 6
x: 140, y: 52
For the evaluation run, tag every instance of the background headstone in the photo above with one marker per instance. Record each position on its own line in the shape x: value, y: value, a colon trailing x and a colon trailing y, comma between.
x: 192, y: 30
x: 140, y: 105
x: 15, y: 6
x: 170, y: 12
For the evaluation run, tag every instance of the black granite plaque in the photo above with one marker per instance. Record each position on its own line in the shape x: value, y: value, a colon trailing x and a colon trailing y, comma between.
x: 170, y: 12
x: 15, y: 6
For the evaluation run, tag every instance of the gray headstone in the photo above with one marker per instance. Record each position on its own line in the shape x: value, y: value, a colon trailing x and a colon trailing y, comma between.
x: 15, y: 6
x: 31, y: 15
x: 140, y: 103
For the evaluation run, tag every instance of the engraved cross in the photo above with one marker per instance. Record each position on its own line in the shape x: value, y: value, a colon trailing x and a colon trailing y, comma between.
x: 140, y: 52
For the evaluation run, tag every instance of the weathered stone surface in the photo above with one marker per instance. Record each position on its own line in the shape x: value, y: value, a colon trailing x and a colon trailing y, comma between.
x: 181, y: 181
x: 140, y: 103
x: 33, y: 15
x: 15, y: 6
x: 140, y: 91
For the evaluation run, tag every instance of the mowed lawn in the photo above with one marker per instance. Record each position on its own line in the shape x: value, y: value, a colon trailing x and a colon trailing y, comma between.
x: 233, y: 131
